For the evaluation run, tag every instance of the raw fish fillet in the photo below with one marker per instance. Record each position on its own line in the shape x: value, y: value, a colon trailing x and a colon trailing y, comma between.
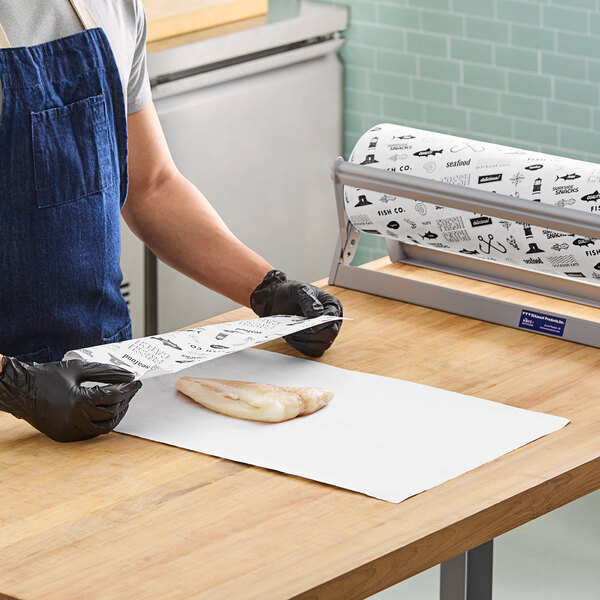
x: 254, y: 401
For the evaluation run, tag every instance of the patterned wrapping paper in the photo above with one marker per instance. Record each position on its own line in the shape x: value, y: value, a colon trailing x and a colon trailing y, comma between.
x: 174, y: 351
x: 531, y: 176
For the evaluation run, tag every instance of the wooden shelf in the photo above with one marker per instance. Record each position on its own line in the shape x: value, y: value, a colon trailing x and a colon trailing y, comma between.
x: 169, y: 18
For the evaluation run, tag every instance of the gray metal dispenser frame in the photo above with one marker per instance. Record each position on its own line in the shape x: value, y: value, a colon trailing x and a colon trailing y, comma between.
x: 451, y: 300
x: 469, y: 575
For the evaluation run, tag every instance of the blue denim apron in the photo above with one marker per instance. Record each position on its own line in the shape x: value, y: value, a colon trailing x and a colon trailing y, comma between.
x: 63, y: 182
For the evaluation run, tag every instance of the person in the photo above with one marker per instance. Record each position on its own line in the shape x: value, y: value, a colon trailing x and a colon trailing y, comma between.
x: 80, y: 142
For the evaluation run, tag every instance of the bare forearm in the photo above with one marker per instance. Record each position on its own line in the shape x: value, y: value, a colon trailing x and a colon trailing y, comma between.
x: 180, y: 226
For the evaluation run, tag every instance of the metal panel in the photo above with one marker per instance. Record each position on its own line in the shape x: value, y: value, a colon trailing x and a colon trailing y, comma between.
x: 259, y: 148
x: 468, y: 576
x: 457, y: 302
x: 223, y: 74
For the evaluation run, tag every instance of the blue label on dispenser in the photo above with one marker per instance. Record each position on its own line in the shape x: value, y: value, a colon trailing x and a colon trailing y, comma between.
x: 543, y: 323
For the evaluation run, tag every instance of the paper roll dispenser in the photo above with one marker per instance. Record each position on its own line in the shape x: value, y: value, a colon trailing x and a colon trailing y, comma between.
x: 359, y: 181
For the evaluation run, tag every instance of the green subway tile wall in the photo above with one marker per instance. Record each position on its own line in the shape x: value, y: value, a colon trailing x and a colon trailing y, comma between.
x: 517, y: 72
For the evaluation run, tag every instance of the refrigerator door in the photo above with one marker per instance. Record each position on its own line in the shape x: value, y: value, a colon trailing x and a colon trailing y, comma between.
x: 258, y: 139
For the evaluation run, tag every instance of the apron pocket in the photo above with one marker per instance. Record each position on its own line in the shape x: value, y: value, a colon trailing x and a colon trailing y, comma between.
x: 71, y: 151
x: 124, y: 333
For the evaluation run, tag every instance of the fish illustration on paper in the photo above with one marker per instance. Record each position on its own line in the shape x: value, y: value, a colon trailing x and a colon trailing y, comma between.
x: 594, y: 197
x: 534, y: 167
x: 429, y: 236
x: 465, y: 251
x: 565, y: 201
x: 166, y: 342
x: 393, y: 225
x: 568, y: 177
x: 584, y: 242
x: 403, y: 137
x: 428, y: 152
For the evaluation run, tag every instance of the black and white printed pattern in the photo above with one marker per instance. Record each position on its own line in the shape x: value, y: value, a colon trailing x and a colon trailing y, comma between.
x: 531, y: 176
x: 171, y: 352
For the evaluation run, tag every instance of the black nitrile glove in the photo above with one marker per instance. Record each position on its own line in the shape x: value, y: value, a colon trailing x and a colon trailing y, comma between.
x: 277, y: 295
x: 51, y: 399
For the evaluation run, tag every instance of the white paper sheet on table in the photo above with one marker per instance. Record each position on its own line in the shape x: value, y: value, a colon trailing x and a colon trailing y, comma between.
x: 383, y: 437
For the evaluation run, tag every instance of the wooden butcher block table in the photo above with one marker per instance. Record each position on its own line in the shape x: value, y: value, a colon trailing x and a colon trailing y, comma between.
x: 125, y: 518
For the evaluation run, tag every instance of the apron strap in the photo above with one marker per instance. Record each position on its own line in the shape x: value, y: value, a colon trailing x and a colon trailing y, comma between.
x: 4, y: 43
x: 86, y: 18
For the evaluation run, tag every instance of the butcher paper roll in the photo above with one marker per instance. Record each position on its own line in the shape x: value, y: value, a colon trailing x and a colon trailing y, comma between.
x: 531, y: 176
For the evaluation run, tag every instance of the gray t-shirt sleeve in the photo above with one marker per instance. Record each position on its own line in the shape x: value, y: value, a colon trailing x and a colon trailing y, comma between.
x: 138, y: 87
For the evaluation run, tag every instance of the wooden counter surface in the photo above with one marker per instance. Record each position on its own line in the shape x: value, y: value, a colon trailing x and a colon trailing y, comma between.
x: 124, y: 518
x: 171, y: 18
